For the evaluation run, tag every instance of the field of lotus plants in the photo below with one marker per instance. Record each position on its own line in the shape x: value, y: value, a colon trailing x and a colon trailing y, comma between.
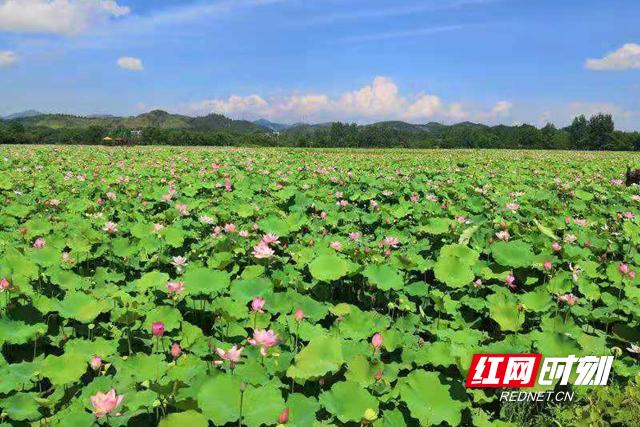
x: 199, y: 287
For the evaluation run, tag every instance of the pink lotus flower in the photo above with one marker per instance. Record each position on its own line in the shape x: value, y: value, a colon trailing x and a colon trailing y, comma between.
x: 110, y: 227
x: 503, y: 235
x: 104, y: 404
x: 182, y: 209
x: 510, y: 280
x: 270, y: 239
x: 179, y: 261
x: 512, y: 207
x: 555, y: 246
x: 548, y: 265
x: 95, y: 363
x: 336, y: 246
x: 568, y: 299
x: 632, y: 275
x: 157, y: 227
x: 39, y: 243
x: 176, y: 351
x: 628, y: 215
x: 233, y: 355
x: 243, y: 233
x: 230, y: 228
x: 257, y: 304
x: 376, y: 341
x: 4, y: 284
x: 264, y: 339
x: 623, y: 269
x: 355, y: 236
x: 580, y: 222
x: 262, y: 250
x: 175, y: 287
x: 298, y: 315
x: 414, y: 198
x: 157, y: 329
x: 616, y: 182
x: 390, y: 242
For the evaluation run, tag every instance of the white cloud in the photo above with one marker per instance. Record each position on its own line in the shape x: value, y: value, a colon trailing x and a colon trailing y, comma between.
x: 627, y: 57
x: 56, y: 16
x: 130, y: 63
x: 590, y: 108
x: 380, y: 100
x: 424, y: 107
x: 233, y: 105
x: 7, y: 58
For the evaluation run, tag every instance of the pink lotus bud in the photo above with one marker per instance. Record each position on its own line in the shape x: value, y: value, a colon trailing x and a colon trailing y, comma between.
x: 176, y: 351
x: 4, y: 284
x: 510, y: 280
x: 556, y: 246
x: 157, y: 329
x: 379, y: 374
x: 96, y: 362
x: 623, y: 269
x: 632, y: 275
x: 283, y: 418
x: 299, y: 315
x: 376, y: 341
x: 257, y: 304
x: 548, y: 265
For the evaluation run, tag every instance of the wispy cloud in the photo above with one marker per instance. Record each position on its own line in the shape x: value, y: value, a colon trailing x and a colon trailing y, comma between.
x: 7, y: 58
x: 423, y: 7
x: 390, y: 35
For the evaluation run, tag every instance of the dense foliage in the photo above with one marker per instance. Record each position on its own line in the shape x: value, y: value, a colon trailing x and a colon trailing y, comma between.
x: 161, y: 128
x: 155, y: 286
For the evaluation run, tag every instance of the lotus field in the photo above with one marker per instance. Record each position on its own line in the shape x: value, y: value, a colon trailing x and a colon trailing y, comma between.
x: 199, y: 287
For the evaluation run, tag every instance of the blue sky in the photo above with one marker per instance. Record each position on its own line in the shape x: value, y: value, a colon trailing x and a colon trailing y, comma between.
x: 492, y: 61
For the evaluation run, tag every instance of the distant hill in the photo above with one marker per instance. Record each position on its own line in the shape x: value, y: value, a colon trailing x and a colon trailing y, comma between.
x: 278, y: 127
x: 156, y: 118
x: 217, y: 122
x: 23, y: 114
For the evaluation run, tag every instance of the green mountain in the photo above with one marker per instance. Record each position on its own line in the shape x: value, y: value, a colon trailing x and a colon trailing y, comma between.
x: 153, y: 119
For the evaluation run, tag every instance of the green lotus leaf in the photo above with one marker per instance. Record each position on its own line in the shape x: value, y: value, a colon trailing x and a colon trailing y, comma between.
x: 348, y: 401
x: 383, y: 277
x: 16, y: 332
x: 437, y: 226
x: 170, y: 316
x: 65, y: 369
x: 184, y: 419
x: 262, y: 405
x: 503, y: 308
x: 453, y: 266
x: 428, y: 400
x: 151, y: 280
x: 82, y: 307
x: 202, y: 281
x: 142, y: 367
x: 328, y: 268
x: 219, y: 399
x: 321, y: 356
x: 515, y: 253
x: 22, y: 406
x: 302, y: 410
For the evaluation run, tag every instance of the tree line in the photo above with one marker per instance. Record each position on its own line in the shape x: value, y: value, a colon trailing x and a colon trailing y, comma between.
x: 595, y: 133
